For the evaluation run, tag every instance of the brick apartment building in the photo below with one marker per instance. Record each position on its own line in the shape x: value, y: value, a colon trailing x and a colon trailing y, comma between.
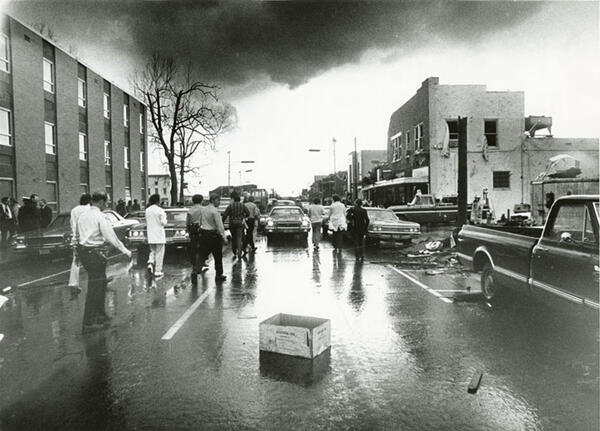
x: 423, y: 139
x: 64, y: 129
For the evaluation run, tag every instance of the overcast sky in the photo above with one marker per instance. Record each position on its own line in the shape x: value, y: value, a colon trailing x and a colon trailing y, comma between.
x: 300, y: 74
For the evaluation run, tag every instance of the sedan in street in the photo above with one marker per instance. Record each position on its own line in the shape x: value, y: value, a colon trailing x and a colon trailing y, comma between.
x: 175, y: 232
x: 287, y: 220
x: 384, y: 225
x: 56, y: 238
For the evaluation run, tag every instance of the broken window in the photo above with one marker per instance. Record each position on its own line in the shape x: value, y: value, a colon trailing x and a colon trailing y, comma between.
x: 490, y: 128
x: 453, y: 133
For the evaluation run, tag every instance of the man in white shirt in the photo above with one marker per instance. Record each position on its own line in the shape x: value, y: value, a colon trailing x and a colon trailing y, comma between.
x: 84, y: 205
x: 7, y: 222
x: 337, y: 222
x: 94, y: 231
x: 156, y: 220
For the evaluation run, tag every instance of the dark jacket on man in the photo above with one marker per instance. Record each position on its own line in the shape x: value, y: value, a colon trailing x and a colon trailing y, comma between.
x: 358, y: 220
x: 29, y: 217
x: 45, y: 216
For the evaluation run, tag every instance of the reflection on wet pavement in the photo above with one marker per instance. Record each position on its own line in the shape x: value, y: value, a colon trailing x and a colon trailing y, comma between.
x: 400, y: 357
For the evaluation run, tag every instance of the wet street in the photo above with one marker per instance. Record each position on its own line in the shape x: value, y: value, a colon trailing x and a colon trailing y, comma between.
x: 405, y: 345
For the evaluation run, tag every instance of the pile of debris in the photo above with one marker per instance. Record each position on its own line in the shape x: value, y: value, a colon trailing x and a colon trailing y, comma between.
x: 433, y: 255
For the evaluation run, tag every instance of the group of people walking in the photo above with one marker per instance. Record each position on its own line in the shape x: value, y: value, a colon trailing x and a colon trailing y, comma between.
x: 35, y: 213
x: 354, y: 220
x: 207, y: 231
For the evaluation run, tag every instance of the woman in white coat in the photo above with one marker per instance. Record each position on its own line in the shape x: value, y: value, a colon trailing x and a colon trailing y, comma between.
x: 156, y: 220
x: 337, y: 222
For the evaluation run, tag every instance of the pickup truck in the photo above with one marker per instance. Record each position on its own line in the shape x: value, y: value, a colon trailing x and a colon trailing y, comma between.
x: 558, y: 260
x: 428, y: 210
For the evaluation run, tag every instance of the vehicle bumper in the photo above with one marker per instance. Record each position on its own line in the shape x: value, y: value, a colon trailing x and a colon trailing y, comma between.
x: 287, y: 231
x: 392, y: 236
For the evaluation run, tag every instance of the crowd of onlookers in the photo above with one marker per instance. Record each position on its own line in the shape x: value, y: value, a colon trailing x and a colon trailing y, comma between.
x: 123, y: 209
x: 34, y: 213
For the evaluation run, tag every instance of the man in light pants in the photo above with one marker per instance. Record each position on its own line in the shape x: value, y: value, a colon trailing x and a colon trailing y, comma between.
x: 156, y: 220
x: 84, y: 205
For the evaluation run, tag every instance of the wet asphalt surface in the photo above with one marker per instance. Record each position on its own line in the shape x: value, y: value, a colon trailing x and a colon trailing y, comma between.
x: 401, y: 357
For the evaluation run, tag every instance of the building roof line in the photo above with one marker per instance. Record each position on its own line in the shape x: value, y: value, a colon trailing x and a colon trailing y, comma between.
x: 74, y: 57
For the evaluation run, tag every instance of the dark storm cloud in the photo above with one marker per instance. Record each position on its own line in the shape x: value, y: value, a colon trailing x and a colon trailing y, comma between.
x: 287, y: 42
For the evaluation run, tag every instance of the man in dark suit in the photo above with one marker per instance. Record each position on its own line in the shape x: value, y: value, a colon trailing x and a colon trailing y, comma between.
x: 29, y: 214
x: 358, y: 224
x: 45, y: 214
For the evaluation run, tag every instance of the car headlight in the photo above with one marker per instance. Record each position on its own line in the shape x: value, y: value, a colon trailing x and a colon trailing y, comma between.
x: 269, y: 222
x: 180, y: 233
x: 305, y: 223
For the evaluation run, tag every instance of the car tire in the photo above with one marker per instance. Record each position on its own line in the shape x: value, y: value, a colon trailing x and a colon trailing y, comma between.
x: 490, y: 288
x: 142, y: 255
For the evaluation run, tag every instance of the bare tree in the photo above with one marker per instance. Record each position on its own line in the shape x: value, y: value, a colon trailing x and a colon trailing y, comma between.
x: 186, y: 115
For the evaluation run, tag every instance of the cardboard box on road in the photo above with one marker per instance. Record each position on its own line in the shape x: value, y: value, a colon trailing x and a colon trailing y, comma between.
x: 288, y: 334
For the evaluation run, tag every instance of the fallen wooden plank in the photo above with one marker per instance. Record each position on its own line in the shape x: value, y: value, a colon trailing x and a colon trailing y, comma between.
x: 475, y: 382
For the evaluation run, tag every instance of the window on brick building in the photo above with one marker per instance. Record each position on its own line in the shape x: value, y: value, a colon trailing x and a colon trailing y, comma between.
x: 4, y: 53
x: 490, y: 129
x: 106, y: 105
x: 141, y: 123
x: 125, y: 115
x: 419, y: 137
x: 49, y: 138
x: 5, y: 128
x: 396, y: 147
x: 83, y: 147
x: 501, y: 179
x: 407, y: 144
x: 51, y: 195
x: 453, y: 133
x: 126, y: 157
x: 107, y: 153
x: 142, y: 158
x: 48, y: 75
x: 81, y: 92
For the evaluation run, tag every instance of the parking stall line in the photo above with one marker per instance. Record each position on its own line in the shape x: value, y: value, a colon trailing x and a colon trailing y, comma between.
x: 27, y: 283
x: 421, y: 285
x: 186, y: 315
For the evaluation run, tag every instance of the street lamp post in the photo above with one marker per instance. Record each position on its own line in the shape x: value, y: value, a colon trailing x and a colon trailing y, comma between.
x: 229, y: 167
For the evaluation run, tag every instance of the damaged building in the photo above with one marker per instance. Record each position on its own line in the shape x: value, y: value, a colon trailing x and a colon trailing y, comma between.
x: 505, y: 150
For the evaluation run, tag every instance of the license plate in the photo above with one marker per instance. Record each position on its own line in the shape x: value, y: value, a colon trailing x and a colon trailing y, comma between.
x: 44, y: 251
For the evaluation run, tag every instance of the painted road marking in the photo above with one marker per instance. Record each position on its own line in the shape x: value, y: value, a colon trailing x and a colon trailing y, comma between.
x: 52, y: 275
x: 185, y: 316
x: 421, y: 285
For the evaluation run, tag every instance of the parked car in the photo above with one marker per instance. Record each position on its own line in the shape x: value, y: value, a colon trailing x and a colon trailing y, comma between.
x: 385, y: 226
x: 558, y: 260
x: 136, y: 215
x: 287, y: 220
x: 56, y: 238
x: 175, y: 233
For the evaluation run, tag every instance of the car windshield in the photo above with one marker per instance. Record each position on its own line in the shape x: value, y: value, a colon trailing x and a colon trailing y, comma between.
x: 279, y: 212
x: 380, y: 215
x: 140, y: 215
x: 61, y: 221
x: 176, y: 216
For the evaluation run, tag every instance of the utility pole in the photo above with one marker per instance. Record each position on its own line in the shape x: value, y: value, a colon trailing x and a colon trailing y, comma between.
x: 228, y: 168
x: 462, y: 172
x: 355, y: 170
x: 333, y: 141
